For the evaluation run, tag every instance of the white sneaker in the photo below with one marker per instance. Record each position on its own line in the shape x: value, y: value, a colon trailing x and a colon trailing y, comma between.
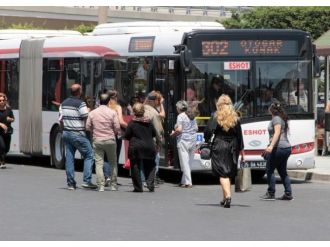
x: 3, y: 166
x: 113, y: 188
x: 101, y: 188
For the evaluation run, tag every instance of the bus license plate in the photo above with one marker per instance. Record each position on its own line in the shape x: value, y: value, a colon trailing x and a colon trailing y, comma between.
x: 255, y: 164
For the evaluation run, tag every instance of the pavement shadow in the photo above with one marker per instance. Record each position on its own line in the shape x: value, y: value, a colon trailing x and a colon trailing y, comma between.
x: 42, y: 161
x: 218, y: 205
x: 198, y: 178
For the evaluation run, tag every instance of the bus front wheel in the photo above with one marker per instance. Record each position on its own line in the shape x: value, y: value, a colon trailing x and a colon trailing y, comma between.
x: 57, y: 147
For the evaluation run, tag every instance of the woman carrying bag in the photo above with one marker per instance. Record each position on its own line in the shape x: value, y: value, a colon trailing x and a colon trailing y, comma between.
x: 185, y: 130
x: 141, y: 150
x: 277, y: 153
x: 227, y: 144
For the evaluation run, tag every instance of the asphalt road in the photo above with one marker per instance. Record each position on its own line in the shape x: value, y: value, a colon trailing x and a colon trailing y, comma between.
x: 35, y: 205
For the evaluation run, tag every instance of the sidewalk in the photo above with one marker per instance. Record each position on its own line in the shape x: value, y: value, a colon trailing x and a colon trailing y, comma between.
x: 321, y: 172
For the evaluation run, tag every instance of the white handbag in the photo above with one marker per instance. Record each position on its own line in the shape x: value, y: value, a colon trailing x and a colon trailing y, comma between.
x: 243, y: 180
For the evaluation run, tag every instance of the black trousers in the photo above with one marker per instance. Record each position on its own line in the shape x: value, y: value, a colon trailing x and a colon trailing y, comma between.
x: 149, y: 169
x: 4, y: 145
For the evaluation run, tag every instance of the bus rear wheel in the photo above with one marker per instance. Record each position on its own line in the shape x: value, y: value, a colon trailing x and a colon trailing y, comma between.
x: 57, y: 148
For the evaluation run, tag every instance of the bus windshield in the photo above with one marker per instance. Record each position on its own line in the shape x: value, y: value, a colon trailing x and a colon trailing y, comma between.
x: 286, y: 81
x: 251, y: 89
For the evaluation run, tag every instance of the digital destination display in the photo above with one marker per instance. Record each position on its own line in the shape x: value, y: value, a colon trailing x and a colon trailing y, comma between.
x: 248, y: 47
x: 141, y: 44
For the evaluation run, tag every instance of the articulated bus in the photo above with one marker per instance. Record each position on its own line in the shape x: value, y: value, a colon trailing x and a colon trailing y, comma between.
x: 251, y: 66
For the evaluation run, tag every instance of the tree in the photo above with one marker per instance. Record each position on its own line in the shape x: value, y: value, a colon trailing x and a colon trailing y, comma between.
x: 84, y: 28
x: 315, y: 20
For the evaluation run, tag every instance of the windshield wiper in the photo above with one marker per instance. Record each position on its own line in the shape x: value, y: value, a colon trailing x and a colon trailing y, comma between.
x: 240, y: 103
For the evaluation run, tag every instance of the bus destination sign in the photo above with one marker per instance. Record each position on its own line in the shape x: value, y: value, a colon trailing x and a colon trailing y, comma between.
x: 249, y: 47
x: 141, y: 44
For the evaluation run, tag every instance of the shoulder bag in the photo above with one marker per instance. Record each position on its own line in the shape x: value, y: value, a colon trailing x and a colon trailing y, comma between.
x: 206, y: 148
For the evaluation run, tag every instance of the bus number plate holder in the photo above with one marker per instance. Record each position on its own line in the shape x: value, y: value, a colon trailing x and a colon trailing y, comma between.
x: 255, y: 164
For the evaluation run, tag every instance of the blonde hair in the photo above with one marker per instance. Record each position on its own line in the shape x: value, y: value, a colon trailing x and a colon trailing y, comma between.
x: 138, y: 109
x: 226, y: 114
x: 158, y: 95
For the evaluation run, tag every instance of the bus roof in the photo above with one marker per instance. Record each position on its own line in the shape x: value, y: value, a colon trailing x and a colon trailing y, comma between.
x: 98, y: 46
x: 152, y: 26
x: 161, y: 43
x: 23, y: 33
x: 251, y: 31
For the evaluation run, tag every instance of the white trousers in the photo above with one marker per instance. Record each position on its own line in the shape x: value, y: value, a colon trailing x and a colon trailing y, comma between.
x: 186, y: 150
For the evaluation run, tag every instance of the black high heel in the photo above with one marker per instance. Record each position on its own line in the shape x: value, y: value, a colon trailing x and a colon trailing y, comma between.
x: 227, y: 202
x: 222, y: 202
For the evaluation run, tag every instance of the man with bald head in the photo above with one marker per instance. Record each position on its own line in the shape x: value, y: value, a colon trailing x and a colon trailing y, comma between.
x: 74, y: 112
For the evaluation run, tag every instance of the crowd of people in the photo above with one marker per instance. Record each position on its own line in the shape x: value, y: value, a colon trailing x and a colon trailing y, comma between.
x: 145, y: 132
x: 98, y: 134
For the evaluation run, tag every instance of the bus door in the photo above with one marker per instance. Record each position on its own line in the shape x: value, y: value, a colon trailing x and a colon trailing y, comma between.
x: 165, y: 78
x: 91, y: 78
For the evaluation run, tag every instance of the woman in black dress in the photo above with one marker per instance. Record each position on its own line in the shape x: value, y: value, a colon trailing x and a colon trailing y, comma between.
x: 6, y: 118
x: 227, y: 144
x: 142, y: 150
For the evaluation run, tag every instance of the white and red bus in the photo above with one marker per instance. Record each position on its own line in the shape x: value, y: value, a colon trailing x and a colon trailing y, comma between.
x: 249, y: 65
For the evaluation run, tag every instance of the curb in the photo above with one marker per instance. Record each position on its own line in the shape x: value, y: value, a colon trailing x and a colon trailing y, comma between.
x: 309, y: 176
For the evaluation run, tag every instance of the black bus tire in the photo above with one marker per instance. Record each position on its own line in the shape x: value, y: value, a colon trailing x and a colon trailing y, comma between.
x: 57, y: 148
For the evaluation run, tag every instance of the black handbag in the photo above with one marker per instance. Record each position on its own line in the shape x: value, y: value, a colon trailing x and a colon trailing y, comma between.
x: 205, y: 151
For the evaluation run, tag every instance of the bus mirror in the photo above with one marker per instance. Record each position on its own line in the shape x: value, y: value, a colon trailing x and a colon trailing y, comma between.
x: 185, y: 58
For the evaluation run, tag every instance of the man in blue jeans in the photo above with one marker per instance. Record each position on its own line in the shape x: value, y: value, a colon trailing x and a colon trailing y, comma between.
x: 73, y: 113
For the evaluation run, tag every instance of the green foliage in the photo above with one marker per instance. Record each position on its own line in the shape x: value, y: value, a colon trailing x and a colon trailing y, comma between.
x: 24, y: 26
x: 315, y: 20
x: 233, y: 22
x: 84, y: 28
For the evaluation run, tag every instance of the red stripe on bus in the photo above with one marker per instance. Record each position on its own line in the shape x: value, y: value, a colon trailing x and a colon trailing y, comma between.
x: 9, y: 51
x: 101, y: 50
